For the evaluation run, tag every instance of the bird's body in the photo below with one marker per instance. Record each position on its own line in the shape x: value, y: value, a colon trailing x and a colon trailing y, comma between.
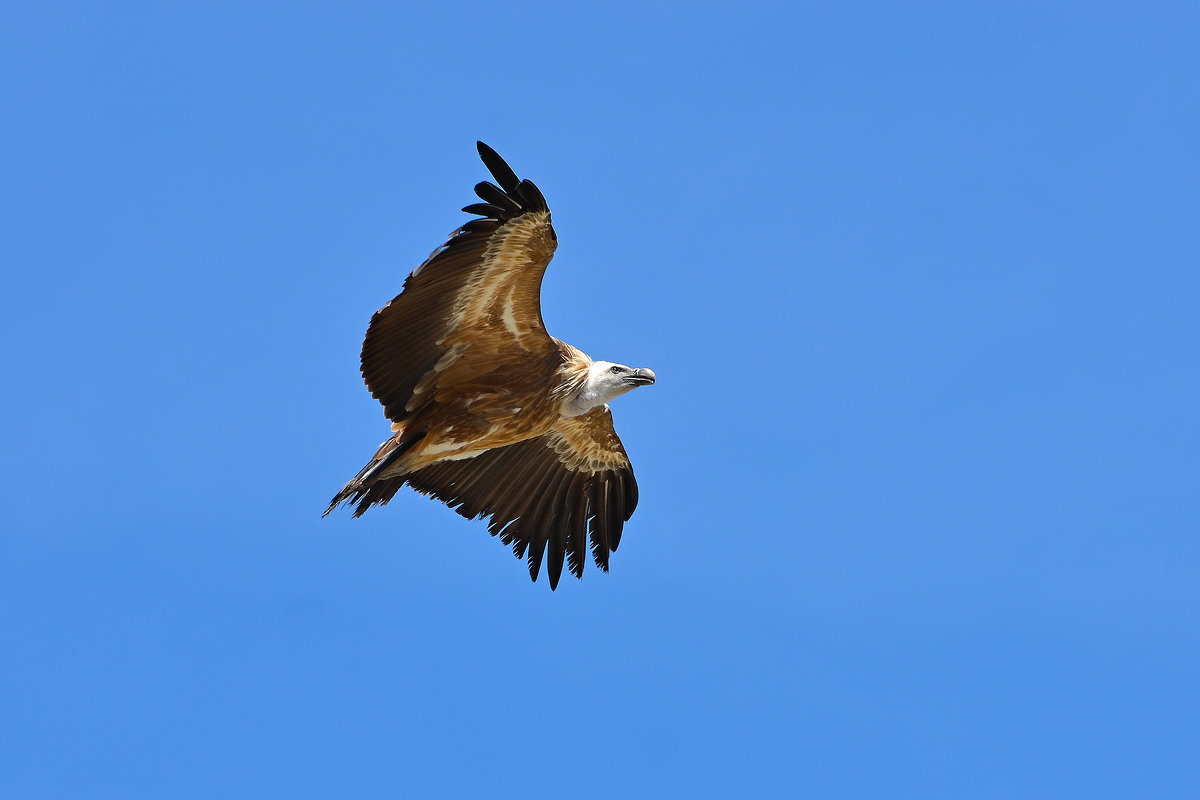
x: 490, y: 413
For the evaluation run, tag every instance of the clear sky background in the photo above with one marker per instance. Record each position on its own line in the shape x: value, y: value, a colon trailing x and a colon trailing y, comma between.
x: 919, y: 479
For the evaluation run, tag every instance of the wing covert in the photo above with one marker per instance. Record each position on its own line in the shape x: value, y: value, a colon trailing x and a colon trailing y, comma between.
x: 477, y: 295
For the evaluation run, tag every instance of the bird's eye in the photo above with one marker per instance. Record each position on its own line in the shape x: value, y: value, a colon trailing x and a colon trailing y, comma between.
x: 615, y: 370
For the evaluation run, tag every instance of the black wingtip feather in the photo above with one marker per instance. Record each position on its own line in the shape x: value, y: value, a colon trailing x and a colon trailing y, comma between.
x: 531, y: 196
x: 556, y: 533
x: 490, y: 193
x: 484, y: 210
x: 500, y: 169
x: 536, y: 549
x: 513, y: 196
x: 554, y: 559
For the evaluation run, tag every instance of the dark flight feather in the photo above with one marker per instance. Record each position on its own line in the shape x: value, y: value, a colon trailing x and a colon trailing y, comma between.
x: 496, y: 165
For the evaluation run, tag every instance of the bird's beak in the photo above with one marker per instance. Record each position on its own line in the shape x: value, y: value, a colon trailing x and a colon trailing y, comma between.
x: 641, y: 377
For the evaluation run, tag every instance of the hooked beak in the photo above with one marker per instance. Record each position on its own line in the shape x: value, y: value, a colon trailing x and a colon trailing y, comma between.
x: 641, y: 377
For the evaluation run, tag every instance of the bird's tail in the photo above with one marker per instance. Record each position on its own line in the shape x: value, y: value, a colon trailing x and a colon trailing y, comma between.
x: 366, y: 488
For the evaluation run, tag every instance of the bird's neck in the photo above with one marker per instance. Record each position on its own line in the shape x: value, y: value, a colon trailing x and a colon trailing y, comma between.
x: 595, y: 390
x: 587, y: 398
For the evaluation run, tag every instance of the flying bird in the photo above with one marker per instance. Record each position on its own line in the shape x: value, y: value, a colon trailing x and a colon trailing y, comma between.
x: 490, y: 413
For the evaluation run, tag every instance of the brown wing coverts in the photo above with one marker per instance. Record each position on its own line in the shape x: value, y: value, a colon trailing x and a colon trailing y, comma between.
x: 404, y: 339
x: 545, y: 495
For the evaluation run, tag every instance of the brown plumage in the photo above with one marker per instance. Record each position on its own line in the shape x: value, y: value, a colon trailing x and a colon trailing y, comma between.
x: 491, y: 414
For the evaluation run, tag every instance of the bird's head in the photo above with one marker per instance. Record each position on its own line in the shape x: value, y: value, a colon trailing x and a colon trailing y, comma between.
x: 607, y: 380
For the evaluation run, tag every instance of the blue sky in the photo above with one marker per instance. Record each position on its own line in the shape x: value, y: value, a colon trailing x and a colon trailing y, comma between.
x: 919, y: 504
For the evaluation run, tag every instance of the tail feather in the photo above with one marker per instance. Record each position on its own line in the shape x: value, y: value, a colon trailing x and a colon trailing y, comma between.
x: 366, y: 488
x: 363, y: 497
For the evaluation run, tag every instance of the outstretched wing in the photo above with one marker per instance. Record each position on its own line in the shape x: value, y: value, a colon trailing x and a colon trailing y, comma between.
x: 548, y: 492
x: 477, y: 297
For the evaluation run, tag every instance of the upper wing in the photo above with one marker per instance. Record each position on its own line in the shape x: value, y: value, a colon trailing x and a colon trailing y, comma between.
x: 549, y: 490
x: 476, y: 296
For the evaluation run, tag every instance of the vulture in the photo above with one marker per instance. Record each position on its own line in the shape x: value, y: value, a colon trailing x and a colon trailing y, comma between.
x: 490, y: 413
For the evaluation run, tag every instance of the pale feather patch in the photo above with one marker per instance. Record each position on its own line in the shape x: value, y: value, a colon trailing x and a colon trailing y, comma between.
x: 507, y: 255
x: 587, y: 443
x: 510, y: 320
x: 447, y: 444
x: 438, y: 448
